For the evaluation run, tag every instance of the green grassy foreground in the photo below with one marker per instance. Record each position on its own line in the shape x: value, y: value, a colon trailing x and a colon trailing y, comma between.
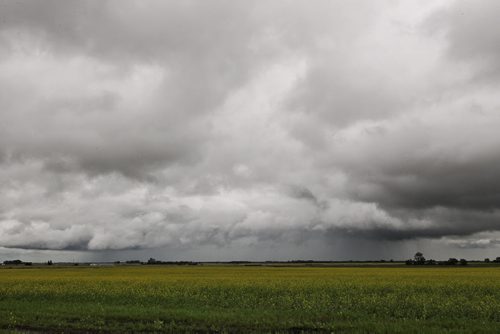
x: 250, y: 299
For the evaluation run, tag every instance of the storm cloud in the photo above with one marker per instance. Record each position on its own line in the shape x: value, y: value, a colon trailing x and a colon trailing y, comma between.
x: 139, y: 125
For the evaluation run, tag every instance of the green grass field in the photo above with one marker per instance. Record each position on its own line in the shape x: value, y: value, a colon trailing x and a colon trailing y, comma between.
x: 250, y: 299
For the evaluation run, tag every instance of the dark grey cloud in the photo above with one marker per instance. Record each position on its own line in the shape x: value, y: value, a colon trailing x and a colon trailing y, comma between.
x: 145, y: 125
x: 453, y: 175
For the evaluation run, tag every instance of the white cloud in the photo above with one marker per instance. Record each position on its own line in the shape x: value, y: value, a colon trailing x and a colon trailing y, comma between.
x: 124, y: 125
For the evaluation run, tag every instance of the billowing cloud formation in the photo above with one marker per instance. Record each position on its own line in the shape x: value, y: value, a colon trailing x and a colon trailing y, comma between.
x: 128, y: 124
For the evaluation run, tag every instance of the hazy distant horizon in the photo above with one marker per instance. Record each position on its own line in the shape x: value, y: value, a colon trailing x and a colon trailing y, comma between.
x: 249, y: 130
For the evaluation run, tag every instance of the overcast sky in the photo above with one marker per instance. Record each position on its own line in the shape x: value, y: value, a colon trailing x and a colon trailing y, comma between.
x: 252, y: 130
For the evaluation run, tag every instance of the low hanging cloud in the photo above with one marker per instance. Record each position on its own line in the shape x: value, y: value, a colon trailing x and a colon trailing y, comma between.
x: 127, y: 125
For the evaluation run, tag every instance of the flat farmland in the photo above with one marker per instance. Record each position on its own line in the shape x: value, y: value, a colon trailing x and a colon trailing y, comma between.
x: 250, y: 299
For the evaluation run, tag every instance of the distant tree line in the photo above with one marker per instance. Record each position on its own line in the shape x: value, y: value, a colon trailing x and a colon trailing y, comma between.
x: 182, y: 263
x: 420, y: 260
x: 16, y: 263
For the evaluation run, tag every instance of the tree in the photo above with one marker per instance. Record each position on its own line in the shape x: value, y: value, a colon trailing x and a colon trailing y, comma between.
x: 452, y: 261
x: 419, y: 258
x: 463, y: 262
x: 487, y: 260
x: 49, y: 262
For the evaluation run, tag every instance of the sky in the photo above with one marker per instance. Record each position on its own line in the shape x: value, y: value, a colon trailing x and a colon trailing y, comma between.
x: 249, y: 130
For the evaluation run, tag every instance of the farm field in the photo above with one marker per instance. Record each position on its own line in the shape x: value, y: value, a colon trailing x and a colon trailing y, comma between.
x: 250, y: 299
